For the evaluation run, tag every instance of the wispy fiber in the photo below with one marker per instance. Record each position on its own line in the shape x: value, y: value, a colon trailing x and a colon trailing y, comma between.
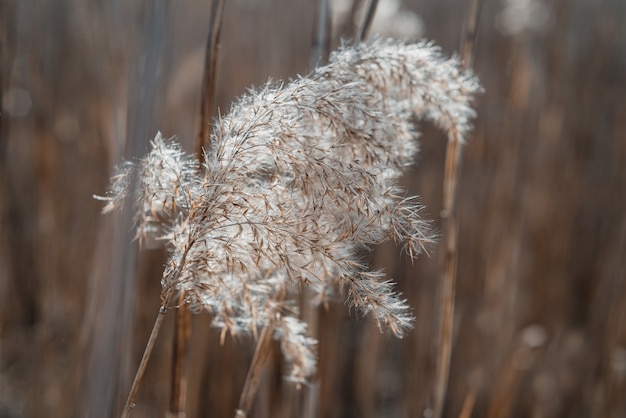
x: 299, y: 180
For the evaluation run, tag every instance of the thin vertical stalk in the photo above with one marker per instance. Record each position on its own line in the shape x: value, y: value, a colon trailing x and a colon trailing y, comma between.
x: 207, y: 94
x: 367, y: 21
x: 182, y: 333
x: 448, y: 274
x: 468, y: 43
x: 451, y: 231
x: 348, y: 27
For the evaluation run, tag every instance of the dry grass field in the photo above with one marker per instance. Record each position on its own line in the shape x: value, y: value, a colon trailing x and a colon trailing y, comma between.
x: 540, y: 319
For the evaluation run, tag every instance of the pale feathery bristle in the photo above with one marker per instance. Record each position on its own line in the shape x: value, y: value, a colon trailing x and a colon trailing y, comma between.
x: 301, y: 177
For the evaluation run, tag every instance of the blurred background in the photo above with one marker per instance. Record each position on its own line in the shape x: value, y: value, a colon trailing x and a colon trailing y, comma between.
x: 540, y: 326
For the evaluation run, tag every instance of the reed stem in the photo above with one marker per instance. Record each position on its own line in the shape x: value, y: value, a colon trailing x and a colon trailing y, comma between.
x: 207, y: 94
x: 146, y: 356
x: 261, y: 355
x: 180, y: 352
x: 451, y: 231
x: 367, y: 21
x: 167, y: 297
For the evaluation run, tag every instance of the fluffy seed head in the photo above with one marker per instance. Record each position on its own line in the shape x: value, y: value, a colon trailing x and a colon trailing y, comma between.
x: 300, y: 179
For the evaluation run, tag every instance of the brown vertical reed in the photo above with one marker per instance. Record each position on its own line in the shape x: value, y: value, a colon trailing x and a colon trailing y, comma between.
x: 182, y: 333
x: 449, y: 254
x: 207, y: 94
x: 367, y: 20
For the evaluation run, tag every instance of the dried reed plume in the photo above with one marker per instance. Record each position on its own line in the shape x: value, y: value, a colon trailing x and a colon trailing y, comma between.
x: 300, y: 178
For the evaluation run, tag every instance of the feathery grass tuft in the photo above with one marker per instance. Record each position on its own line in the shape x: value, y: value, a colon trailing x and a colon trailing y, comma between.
x: 299, y: 179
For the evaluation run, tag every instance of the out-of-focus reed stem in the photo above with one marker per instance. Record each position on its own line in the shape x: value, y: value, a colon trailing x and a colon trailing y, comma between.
x: 468, y: 43
x: 367, y: 21
x: 182, y: 333
x: 261, y: 355
x: 468, y: 404
x: 321, y: 35
x: 207, y: 94
x: 451, y: 231
x: 448, y: 274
